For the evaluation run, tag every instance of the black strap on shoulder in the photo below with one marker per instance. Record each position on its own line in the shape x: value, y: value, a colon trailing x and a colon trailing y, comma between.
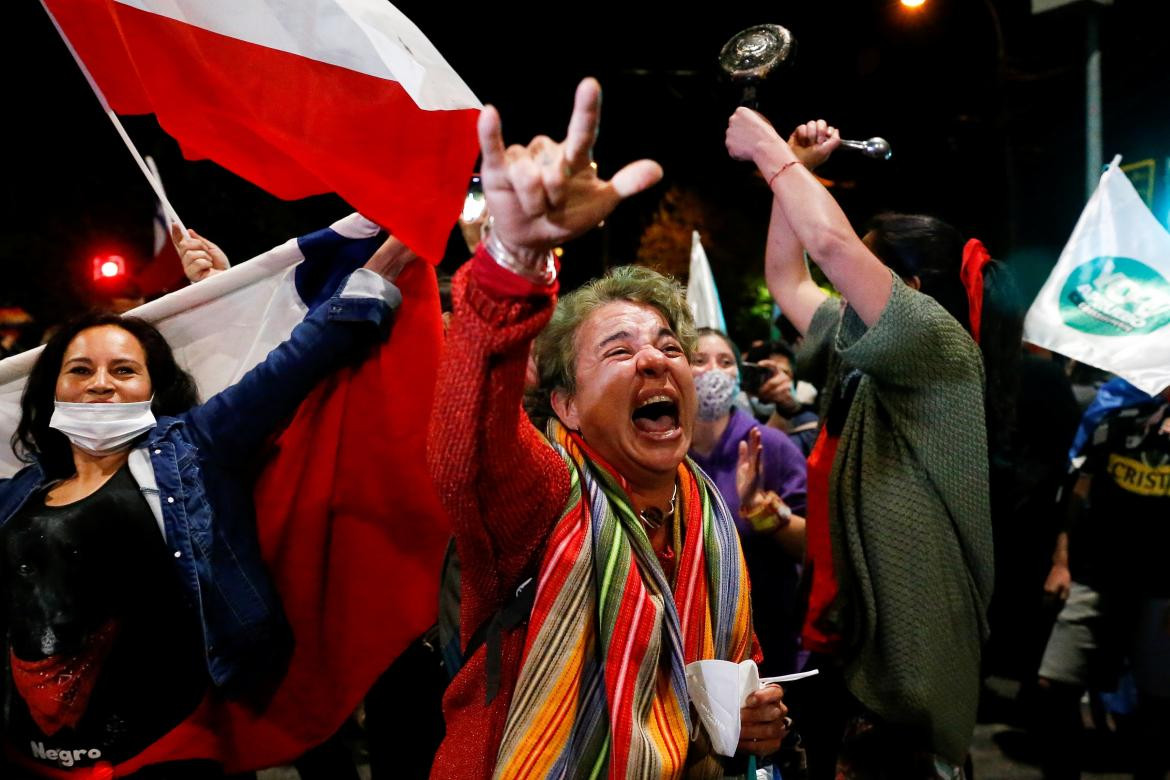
x: 839, y: 405
x: 513, y: 613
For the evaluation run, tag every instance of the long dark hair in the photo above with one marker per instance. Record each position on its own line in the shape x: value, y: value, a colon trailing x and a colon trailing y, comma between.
x: 926, y: 247
x: 35, y: 441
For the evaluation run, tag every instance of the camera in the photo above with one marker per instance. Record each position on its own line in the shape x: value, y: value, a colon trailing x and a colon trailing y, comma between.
x: 753, y: 375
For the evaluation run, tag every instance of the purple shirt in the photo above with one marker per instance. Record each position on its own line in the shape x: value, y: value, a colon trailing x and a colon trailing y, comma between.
x: 785, y: 469
x: 777, y: 606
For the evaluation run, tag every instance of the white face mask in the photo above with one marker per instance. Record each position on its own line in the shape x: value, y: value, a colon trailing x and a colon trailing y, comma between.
x: 101, y: 429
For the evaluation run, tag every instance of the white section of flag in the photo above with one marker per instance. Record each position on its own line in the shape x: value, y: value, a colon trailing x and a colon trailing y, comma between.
x: 367, y: 36
x: 1115, y: 269
x: 702, y: 295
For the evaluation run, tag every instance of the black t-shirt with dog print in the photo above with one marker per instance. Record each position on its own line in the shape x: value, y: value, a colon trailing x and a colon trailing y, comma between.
x: 104, y: 655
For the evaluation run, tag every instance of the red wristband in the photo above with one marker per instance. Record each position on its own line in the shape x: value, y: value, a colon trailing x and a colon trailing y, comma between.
x: 781, y: 170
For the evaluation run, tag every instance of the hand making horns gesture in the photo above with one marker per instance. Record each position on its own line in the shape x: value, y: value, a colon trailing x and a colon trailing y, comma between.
x: 546, y: 193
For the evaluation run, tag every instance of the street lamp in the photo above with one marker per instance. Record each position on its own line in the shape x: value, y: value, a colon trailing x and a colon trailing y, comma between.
x: 914, y: 5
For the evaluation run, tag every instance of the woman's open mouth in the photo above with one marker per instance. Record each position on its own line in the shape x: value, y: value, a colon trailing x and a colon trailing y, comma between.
x: 657, y: 416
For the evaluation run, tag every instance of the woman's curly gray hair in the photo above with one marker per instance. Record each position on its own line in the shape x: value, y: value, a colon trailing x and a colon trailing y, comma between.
x: 556, y: 346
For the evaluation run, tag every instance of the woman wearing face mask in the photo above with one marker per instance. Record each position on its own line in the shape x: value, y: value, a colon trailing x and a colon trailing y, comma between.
x: 131, y: 572
x: 761, y: 476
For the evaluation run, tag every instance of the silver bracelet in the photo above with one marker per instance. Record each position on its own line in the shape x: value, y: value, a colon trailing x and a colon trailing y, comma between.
x: 504, y: 258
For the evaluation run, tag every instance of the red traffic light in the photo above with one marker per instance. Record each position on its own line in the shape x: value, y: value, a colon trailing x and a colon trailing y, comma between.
x: 107, y: 267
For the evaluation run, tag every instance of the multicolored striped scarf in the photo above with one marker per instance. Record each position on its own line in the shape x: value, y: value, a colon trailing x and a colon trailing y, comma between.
x: 602, y: 691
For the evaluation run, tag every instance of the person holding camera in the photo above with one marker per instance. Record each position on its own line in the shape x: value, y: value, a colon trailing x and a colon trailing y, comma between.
x: 776, y: 394
x: 761, y: 476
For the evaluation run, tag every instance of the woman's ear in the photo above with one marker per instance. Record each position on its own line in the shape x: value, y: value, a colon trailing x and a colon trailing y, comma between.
x: 565, y: 408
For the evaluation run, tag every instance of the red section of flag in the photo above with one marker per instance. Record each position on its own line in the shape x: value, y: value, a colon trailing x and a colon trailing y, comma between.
x: 354, y: 536
x: 163, y: 274
x: 93, y: 32
x: 290, y: 124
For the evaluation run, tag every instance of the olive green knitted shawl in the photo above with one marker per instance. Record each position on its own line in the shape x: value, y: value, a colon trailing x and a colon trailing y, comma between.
x: 910, y: 520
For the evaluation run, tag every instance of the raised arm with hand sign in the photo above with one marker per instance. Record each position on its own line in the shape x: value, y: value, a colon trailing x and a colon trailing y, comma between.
x: 546, y: 193
x: 613, y: 365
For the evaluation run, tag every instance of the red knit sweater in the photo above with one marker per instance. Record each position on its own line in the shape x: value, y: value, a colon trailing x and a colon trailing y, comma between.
x: 502, y: 486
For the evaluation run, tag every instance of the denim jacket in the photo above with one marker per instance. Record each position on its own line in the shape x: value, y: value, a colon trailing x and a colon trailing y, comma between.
x: 201, y: 484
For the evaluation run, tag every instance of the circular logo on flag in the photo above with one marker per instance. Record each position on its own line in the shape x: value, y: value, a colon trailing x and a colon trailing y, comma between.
x: 1115, y: 296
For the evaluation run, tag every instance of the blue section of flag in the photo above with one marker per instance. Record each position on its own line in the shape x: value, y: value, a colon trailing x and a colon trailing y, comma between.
x: 329, y: 258
x: 1114, y: 395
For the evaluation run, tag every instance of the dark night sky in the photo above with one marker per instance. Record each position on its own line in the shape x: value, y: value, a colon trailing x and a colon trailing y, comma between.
x: 997, y: 148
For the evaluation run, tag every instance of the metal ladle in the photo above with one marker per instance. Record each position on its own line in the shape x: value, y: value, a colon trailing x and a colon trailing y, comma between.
x: 877, y: 148
x: 757, y: 54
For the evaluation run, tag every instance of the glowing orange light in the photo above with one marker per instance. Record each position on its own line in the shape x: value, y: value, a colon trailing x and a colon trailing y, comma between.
x: 913, y: 3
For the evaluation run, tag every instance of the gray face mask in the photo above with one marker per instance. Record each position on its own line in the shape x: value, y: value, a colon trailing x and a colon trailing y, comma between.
x: 101, y: 429
x: 716, y: 391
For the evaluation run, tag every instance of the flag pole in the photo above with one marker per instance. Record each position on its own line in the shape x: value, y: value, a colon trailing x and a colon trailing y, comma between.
x: 172, y: 215
x: 150, y: 178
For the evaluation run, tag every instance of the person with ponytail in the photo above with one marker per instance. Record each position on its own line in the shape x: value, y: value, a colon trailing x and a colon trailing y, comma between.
x: 898, y: 519
x: 976, y: 290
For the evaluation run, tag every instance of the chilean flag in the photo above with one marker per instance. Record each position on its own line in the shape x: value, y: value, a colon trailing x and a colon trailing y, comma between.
x: 349, y: 524
x: 164, y: 271
x: 300, y: 97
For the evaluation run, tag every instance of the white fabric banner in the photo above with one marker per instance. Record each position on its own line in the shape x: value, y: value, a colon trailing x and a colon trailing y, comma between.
x: 218, y: 329
x: 702, y: 295
x: 1107, y: 301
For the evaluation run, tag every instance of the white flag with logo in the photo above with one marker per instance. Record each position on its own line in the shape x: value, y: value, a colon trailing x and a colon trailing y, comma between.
x: 702, y: 295
x: 1107, y: 301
